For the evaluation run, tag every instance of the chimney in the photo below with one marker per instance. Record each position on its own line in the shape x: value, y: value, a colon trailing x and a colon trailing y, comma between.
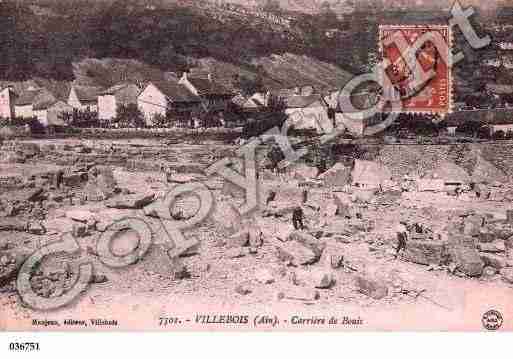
x: 209, y: 77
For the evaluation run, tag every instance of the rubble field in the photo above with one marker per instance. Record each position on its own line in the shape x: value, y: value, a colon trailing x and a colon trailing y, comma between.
x: 457, y: 220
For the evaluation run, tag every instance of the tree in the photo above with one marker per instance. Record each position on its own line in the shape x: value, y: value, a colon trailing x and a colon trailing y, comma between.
x: 276, y: 104
x: 470, y: 128
x: 499, y: 135
x: 129, y: 116
x: 160, y: 121
x: 249, y: 86
x: 80, y: 118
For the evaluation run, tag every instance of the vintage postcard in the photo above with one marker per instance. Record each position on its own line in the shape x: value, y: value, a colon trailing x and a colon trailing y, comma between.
x: 270, y: 165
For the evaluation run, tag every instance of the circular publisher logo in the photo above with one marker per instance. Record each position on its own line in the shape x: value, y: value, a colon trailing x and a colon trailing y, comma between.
x: 492, y: 320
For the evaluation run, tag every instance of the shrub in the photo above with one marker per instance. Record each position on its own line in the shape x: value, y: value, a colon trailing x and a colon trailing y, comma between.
x: 129, y: 116
x: 499, y: 135
x: 160, y: 121
x: 81, y: 118
x: 484, y: 133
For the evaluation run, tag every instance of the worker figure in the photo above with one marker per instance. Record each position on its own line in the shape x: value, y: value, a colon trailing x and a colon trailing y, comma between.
x: 59, y: 178
x: 270, y: 198
x: 297, y: 218
x: 402, y: 238
x: 305, y: 196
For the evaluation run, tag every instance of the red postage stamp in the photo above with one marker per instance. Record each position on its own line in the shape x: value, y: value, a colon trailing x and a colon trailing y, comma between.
x: 431, y: 45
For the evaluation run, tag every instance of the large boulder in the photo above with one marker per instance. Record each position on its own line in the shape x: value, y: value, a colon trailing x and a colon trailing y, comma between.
x: 337, y: 176
x: 493, y: 260
x: 501, y: 232
x: 12, y: 224
x: 467, y: 260
x: 10, y: 263
x: 131, y: 201
x: 484, y: 235
x: 493, y: 247
x: 371, y: 286
x: 36, y: 228
x: 104, y: 176
x: 74, y: 179
x: 232, y: 190
x: 343, y: 206
x: 363, y: 195
x: 274, y: 228
x: 309, y: 241
x: 279, y: 209
x: 180, y: 178
x: 302, y: 171
x: 264, y: 276
x: 24, y: 195
x: 79, y: 215
x: 507, y: 275
x: 426, y: 252
x: 185, y: 207
x: 322, y: 279
x: 296, y: 254
x: 157, y: 262
x: 332, y: 257
x: 226, y: 216
x: 94, y: 193
x: 101, y: 184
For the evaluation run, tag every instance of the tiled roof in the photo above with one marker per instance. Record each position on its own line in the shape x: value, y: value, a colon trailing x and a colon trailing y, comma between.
x: 208, y: 87
x: 449, y: 172
x: 40, y: 99
x: 87, y: 93
x: 114, y: 89
x: 176, y: 92
x: 27, y: 98
x: 45, y: 104
x: 239, y: 100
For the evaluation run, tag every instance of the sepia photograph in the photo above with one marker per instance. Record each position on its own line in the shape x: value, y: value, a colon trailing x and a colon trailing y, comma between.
x: 255, y: 166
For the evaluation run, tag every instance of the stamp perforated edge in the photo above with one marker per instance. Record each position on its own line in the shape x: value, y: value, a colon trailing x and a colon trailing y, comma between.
x: 450, y: 88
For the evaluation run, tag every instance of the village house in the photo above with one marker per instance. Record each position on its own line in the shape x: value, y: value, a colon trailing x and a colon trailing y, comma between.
x: 501, y: 121
x: 452, y: 123
x: 370, y: 175
x: 256, y: 102
x: 353, y: 118
x: 214, y: 96
x: 30, y: 99
x: 506, y: 45
x: 50, y: 113
x: 163, y: 97
x: 447, y: 176
x: 115, y: 96
x: 493, y: 119
x: 24, y: 105
x: 298, y: 90
x: 84, y: 98
x: 308, y: 112
x: 500, y: 92
x: 7, y: 101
